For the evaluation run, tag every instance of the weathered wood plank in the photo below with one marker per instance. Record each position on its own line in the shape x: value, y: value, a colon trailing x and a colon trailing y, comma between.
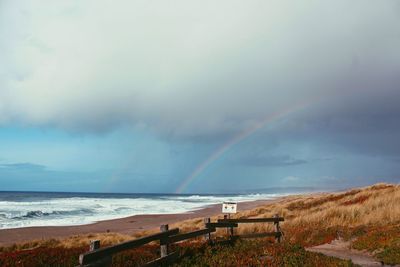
x: 221, y: 224
x: 207, y: 236
x: 103, y: 262
x: 91, y: 256
x: 180, y: 237
x: 277, y: 229
x: 164, y: 241
x: 169, y: 259
x: 251, y: 220
x: 94, y: 245
x: 258, y: 235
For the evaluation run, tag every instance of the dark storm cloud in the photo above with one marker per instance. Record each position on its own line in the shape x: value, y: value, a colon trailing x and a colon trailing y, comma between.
x: 323, y: 75
x: 262, y: 160
x: 200, y: 71
x: 366, y: 122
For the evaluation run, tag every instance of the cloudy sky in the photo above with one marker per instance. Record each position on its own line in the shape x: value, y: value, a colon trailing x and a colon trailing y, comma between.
x: 198, y: 96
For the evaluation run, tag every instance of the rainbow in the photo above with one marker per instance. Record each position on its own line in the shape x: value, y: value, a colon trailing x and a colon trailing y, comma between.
x: 232, y: 142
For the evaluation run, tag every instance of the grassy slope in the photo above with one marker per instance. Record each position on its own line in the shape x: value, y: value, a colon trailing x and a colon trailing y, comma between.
x: 256, y: 253
x: 370, y: 217
x: 242, y: 253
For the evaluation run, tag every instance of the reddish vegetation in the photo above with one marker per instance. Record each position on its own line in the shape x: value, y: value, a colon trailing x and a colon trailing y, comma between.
x: 59, y: 256
x: 383, y: 241
x: 242, y: 253
x: 301, y: 205
x: 258, y: 253
x: 41, y: 257
x: 136, y: 257
x: 357, y: 200
x: 307, y: 236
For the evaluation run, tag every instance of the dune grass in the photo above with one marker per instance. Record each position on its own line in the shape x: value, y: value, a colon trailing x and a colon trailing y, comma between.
x: 259, y: 252
x: 369, y: 217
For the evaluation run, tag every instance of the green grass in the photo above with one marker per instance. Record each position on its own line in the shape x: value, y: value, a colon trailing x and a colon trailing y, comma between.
x: 241, y: 253
x: 257, y: 253
x: 383, y: 242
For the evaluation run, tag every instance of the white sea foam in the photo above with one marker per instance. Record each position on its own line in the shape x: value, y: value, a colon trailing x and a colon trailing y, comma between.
x: 83, y: 210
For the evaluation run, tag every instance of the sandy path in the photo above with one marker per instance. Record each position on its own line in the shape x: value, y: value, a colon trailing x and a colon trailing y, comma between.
x: 127, y: 225
x: 341, y: 249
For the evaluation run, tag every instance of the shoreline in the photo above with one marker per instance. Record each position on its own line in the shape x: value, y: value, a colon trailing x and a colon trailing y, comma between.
x: 126, y: 225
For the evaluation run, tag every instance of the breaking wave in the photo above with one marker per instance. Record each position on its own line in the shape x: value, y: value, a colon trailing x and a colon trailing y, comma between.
x: 75, y: 209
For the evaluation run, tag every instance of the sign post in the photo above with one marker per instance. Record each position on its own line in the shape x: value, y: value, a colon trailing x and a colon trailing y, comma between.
x: 229, y: 208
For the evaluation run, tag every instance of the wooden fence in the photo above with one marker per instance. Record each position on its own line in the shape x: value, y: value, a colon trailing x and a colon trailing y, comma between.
x: 97, y: 256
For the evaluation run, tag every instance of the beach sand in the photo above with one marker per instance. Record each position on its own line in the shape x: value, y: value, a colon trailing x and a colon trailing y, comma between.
x: 128, y: 225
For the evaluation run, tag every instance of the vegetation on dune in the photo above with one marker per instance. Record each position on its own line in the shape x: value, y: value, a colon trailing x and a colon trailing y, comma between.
x: 242, y: 253
x: 368, y: 217
x: 257, y: 253
x: 65, y: 257
x: 361, y: 215
x: 384, y: 242
x: 41, y: 256
x: 70, y: 242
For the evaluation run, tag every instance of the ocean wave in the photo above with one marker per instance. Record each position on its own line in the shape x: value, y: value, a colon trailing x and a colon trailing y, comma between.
x: 77, y: 210
x: 39, y: 213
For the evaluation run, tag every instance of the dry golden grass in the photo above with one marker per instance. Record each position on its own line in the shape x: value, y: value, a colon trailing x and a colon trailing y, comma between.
x: 71, y: 242
x: 307, y: 216
x: 84, y: 240
x: 376, y: 205
x: 372, y: 205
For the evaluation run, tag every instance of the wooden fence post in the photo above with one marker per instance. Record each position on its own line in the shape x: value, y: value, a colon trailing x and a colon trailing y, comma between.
x: 94, y: 245
x: 229, y: 230
x: 103, y: 262
x: 277, y: 229
x: 207, y: 236
x: 164, y: 241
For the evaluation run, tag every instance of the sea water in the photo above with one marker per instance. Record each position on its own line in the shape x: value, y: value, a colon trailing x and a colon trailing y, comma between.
x: 24, y: 209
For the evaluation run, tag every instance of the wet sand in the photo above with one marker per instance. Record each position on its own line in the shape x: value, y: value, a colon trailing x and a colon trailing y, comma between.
x: 128, y: 225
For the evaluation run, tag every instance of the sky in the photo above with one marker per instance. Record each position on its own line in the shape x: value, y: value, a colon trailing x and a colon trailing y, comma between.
x: 198, y: 96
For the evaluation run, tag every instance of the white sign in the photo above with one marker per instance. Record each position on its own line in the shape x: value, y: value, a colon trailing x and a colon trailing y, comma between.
x: 229, y: 207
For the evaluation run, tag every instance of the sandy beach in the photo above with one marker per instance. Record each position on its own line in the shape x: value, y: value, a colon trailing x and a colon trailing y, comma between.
x: 128, y: 225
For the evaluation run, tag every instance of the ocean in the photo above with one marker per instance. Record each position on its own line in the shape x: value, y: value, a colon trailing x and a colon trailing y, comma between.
x: 24, y: 209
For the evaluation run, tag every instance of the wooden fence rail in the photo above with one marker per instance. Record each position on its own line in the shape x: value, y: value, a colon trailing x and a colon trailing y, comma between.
x: 255, y: 220
x: 101, y: 253
x: 102, y: 257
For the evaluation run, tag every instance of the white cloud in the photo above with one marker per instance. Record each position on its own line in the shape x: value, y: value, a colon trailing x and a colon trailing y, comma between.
x: 188, y: 68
